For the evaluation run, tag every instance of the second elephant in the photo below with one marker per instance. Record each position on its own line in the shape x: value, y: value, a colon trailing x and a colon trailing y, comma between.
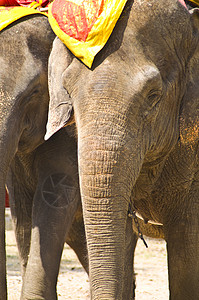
x: 41, y: 177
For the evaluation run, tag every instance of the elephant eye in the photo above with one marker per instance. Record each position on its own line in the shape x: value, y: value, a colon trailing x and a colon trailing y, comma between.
x: 34, y: 93
x: 153, y: 97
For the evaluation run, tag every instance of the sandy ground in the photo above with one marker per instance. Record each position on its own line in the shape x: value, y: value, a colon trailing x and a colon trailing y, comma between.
x: 73, y: 283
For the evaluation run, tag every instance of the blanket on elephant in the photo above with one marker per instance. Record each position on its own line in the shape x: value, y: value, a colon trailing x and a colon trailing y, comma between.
x: 84, y: 26
x: 196, y: 2
x: 9, y: 14
x: 29, y: 3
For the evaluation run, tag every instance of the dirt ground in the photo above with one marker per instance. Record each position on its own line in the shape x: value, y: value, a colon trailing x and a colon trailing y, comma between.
x: 150, y: 267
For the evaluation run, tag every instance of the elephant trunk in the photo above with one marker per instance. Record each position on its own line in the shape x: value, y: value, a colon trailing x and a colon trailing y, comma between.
x: 106, y: 180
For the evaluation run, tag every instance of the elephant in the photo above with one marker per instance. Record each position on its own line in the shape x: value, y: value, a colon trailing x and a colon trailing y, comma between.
x: 45, y: 204
x: 24, y: 48
x: 136, y: 117
x: 41, y: 177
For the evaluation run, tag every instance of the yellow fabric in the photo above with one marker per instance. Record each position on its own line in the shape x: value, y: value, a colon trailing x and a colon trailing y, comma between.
x: 97, y: 36
x: 10, y: 14
x: 195, y: 2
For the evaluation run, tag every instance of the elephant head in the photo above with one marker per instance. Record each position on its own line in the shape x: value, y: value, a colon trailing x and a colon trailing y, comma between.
x: 127, y: 109
x: 24, y: 51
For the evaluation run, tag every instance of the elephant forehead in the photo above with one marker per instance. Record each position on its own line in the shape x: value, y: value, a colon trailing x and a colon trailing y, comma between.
x: 155, y: 16
x: 146, y: 75
x: 130, y: 78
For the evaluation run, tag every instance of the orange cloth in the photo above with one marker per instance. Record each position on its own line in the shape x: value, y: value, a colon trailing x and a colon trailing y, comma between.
x: 195, y: 2
x: 8, y: 3
x: 22, y: 2
x: 9, y: 14
x: 84, y: 26
x: 182, y: 2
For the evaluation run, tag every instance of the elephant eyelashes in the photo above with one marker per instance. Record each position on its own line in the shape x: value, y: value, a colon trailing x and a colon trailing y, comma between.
x: 153, y: 98
x: 35, y: 92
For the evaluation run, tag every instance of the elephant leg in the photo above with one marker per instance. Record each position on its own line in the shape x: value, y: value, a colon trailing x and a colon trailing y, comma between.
x: 52, y: 218
x: 21, y: 193
x: 21, y: 212
x: 76, y: 239
x: 21, y: 218
x: 129, y: 275
x: 54, y: 206
x: 183, y: 258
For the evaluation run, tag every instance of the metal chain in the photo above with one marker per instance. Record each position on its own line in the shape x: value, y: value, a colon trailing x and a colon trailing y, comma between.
x: 132, y: 214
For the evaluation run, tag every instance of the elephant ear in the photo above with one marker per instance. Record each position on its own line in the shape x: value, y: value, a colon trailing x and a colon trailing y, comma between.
x: 189, y: 119
x: 60, y: 106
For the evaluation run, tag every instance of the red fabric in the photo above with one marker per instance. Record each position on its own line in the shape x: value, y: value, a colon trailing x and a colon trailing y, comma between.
x: 27, y: 2
x: 80, y: 17
x: 183, y: 3
x: 20, y: 2
x: 7, y: 199
x: 8, y: 3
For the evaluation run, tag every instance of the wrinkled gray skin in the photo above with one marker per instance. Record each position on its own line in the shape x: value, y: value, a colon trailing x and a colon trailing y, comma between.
x: 23, y: 83
x: 41, y: 178
x: 50, y: 181
x: 137, y: 104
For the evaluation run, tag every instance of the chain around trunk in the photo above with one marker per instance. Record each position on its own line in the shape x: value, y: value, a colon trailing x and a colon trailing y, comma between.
x: 132, y: 214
